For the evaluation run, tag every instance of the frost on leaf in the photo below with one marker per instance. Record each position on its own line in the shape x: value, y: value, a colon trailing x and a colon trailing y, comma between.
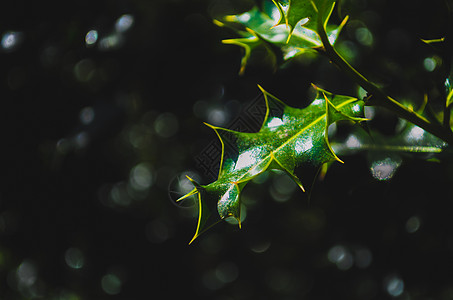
x: 289, y: 138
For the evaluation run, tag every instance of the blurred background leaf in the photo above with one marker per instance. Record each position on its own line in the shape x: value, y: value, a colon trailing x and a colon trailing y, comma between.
x: 103, y: 110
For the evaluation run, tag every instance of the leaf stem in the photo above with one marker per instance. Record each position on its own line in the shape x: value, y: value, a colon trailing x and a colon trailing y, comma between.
x: 377, y: 96
x: 447, y: 115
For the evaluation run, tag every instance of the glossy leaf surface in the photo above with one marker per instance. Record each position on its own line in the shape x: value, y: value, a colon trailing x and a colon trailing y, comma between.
x: 279, y: 31
x: 306, y: 12
x: 289, y: 137
x: 386, y: 153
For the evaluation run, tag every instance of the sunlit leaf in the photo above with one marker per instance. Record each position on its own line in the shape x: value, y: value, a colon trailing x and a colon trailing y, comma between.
x: 385, y: 153
x: 275, y: 30
x: 433, y: 41
x: 439, y: 45
x: 289, y: 138
x: 449, y: 90
x: 305, y: 11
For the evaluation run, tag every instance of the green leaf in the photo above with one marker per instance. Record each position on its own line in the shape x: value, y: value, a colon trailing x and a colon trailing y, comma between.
x: 433, y: 41
x: 438, y: 45
x: 386, y: 153
x: 412, y: 139
x: 280, y: 37
x: 307, y: 11
x: 449, y: 90
x: 289, y: 138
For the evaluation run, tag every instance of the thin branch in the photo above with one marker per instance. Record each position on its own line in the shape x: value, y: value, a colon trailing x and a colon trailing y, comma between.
x: 377, y: 96
x: 447, y: 116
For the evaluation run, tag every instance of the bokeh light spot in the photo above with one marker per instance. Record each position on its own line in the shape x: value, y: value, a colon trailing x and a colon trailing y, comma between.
x: 364, y: 36
x: 86, y: 115
x: 260, y: 246
x: 413, y: 224
x: 341, y: 256
x: 227, y: 272
x: 74, y: 258
x: 394, y: 285
x: 124, y: 23
x: 26, y: 273
x: 91, y: 37
x: 282, y: 188
x: 141, y: 177
x: 84, y: 70
x: 26, y: 280
x: 111, y: 42
x: 111, y: 284
x: 119, y: 196
x: 81, y: 140
x: 217, y: 116
x: 11, y: 40
x: 430, y: 64
x: 166, y: 125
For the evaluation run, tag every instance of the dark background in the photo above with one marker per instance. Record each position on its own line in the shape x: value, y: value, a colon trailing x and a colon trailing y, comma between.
x: 97, y: 139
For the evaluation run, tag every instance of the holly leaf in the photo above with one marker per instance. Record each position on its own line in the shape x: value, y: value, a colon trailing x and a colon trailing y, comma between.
x: 386, y: 153
x: 289, y: 138
x: 274, y: 30
x: 304, y: 11
x: 449, y: 90
x: 443, y: 47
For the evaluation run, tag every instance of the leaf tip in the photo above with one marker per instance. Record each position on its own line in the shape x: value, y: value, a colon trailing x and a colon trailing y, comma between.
x: 191, y: 193
x: 299, y: 184
x: 210, y: 126
x: 193, y: 239
x: 218, y: 23
x: 192, y: 180
x: 314, y: 86
x: 242, y: 70
x: 230, y: 18
x: 314, y: 6
x: 345, y: 20
x: 431, y: 41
